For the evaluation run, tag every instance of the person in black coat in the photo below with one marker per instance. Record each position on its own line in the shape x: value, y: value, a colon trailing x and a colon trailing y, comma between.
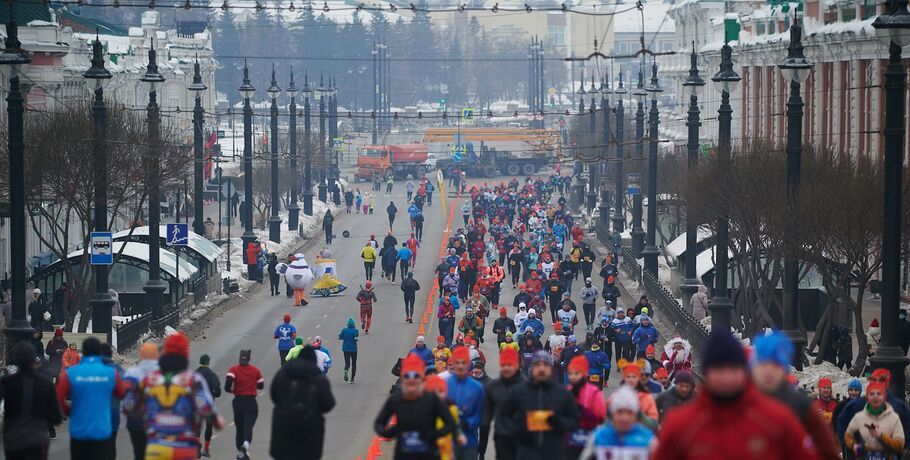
x: 302, y: 396
x: 328, y: 220
x: 409, y: 286
x: 391, y: 210
x: 25, y: 434
x: 540, y: 412
x: 389, y: 260
x: 348, y: 200
x: 494, y: 400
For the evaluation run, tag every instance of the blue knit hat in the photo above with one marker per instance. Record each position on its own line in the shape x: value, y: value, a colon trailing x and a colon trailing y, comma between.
x: 855, y: 384
x: 775, y: 348
x: 722, y: 348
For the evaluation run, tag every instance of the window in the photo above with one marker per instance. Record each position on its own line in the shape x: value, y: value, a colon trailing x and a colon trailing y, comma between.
x: 759, y: 28
x: 848, y: 12
x: 869, y: 9
x: 556, y: 35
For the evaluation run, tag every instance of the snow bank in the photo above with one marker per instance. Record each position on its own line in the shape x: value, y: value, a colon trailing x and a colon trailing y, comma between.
x: 839, y: 378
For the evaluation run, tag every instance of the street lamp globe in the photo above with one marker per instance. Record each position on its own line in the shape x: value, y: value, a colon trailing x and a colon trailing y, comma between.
x: 894, y: 26
x: 726, y: 79
x: 97, y: 72
x: 197, y: 87
x: 795, y: 66
x: 639, y: 91
x: 12, y: 54
x: 693, y: 82
x: 307, y: 90
x: 152, y: 78
x: 620, y: 90
x: 246, y: 89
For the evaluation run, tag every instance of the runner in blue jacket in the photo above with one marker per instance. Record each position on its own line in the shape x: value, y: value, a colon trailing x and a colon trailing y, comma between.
x: 468, y: 394
x: 349, y: 337
x: 645, y: 335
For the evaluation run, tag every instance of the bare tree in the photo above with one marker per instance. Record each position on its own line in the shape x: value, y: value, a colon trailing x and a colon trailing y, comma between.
x: 60, y: 182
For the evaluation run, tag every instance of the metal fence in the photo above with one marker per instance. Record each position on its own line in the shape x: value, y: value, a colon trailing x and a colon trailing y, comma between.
x: 630, y: 265
x: 671, y: 312
x: 170, y: 317
x: 130, y: 332
x: 199, y: 287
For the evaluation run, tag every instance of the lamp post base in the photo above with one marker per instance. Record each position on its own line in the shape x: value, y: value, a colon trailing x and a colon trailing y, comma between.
x: 720, y: 308
x: 293, y: 216
x: 101, y: 305
x: 650, y: 254
x: 323, y: 196
x: 578, y: 193
x: 154, y: 291
x: 638, y: 242
x: 619, y: 222
x: 15, y: 332
x: 893, y: 359
x: 275, y: 229
x: 591, y: 202
x: 308, y: 203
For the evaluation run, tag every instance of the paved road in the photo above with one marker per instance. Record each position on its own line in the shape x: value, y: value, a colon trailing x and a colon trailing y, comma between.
x: 251, y: 325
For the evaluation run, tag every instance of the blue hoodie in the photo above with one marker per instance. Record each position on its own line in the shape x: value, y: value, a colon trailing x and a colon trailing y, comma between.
x: 92, y: 383
x: 536, y: 326
x: 598, y: 362
x: 349, y: 337
x: 468, y: 395
x: 644, y: 336
x: 424, y: 354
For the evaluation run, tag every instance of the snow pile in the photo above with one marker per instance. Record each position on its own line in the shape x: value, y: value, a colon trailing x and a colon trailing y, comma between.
x: 839, y: 378
x: 170, y: 331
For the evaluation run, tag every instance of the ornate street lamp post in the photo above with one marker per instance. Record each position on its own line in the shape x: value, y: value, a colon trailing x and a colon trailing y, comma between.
x: 101, y: 302
x: 293, y: 209
x: 154, y: 288
x: 308, y: 149
x: 198, y: 88
x: 726, y: 80
x: 650, y: 251
x: 274, y: 221
x: 796, y: 68
x: 247, y: 91
x: 619, y: 215
x: 641, y: 96
x: 694, y: 83
x: 17, y: 61
x: 894, y: 30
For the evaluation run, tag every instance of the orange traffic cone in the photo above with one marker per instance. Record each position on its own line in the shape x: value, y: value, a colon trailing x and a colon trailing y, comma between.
x: 421, y: 331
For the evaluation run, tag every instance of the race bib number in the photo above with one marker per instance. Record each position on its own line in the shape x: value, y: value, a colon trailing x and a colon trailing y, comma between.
x: 411, y: 442
x: 537, y: 420
x: 594, y: 378
x: 578, y: 438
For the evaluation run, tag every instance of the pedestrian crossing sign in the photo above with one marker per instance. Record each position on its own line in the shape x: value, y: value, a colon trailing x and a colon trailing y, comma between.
x: 467, y: 114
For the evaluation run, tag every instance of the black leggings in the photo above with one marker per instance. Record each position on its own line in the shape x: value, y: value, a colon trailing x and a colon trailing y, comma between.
x: 409, y: 305
x: 405, y: 266
x: 368, y: 266
x: 391, y: 220
x: 29, y: 453
x: 589, y: 313
x: 516, y: 274
x: 350, y: 361
x: 245, y: 413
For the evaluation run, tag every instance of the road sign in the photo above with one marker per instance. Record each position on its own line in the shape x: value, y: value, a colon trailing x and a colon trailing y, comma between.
x: 458, y: 153
x: 633, y: 183
x: 338, y: 144
x: 177, y: 234
x: 227, y: 190
x: 552, y: 91
x: 101, y: 249
x: 467, y: 114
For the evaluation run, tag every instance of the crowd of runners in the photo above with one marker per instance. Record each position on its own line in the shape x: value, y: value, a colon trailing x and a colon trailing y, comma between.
x: 562, y: 334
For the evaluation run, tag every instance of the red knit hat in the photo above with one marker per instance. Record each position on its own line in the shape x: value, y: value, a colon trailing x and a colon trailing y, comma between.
x: 434, y: 383
x: 882, y: 373
x: 876, y: 386
x: 413, y: 363
x: 824, y: 382
x: 58, y: 332
x: 440, y: 339
x: 177, y: 344
x: 631, y: 368
x: 874, y: 322
x: 287, y: 318
x: 662, y: 373
x: 502, y: 311
x: 508, y: 356
x: 461, y: 354
x: 580, y: 364
x: 649, y: 349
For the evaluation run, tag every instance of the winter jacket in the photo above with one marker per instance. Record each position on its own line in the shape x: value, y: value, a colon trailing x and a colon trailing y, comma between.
x: 818, y: 428
x: 389, y: 257
x: 588, y: 295
x: 598, y: 362
x: 530, y: 401
x: 368, y: 254
x: 698, y: 304
x: 891, y: 439
x: 349, y: 337
x: 472, y: 323
x: 391, y: 209
x: 494, y: 397
x: 537, y: 327
x: 622, y: 330
x: 131, y: 380
x: 43, y: 408
x: 285, y: 333
x: 211, y: 379
x: 591, y: 407
x: 670, y: 399
x: 89, y: 386
x: 858, y: 404
x: 644, y: 336
x: 468, y: 395
x: 502, y: 325
x: 410, y: 286
x: 753, y: 426
x: 605, y: 442
x: 416, y: 425
x: 312, y: 388
x: 425, y: 354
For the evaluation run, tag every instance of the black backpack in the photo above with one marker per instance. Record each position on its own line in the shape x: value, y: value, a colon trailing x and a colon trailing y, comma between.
x: 296, y: 414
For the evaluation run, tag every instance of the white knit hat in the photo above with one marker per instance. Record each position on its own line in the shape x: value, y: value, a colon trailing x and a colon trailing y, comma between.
x: 624, y: 398
x: 532, y: 312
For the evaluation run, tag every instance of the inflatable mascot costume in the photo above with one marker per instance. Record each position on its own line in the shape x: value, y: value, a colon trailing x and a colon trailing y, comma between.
x: 326, y: 269
x: 299, y: 275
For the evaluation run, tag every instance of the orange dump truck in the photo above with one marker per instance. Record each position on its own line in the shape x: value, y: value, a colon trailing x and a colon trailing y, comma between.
x: 399, y: 160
